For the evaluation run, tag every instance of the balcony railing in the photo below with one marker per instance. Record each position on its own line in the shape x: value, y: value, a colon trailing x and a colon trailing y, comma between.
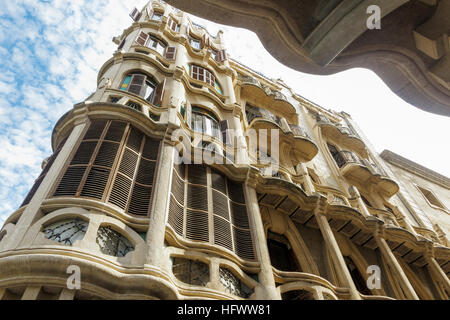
x: 298, y: 131
x: 255, y: 112
x: 343, y: 157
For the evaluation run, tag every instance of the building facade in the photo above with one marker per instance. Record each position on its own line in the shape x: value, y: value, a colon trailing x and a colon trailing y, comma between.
x: 187, y: 175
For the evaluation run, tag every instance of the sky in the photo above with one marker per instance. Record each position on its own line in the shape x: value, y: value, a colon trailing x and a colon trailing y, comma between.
x: 51, y: 51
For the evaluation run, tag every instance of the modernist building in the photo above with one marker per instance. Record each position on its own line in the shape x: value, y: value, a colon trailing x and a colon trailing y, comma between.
x: 405, y: 42
x: 116, y: 201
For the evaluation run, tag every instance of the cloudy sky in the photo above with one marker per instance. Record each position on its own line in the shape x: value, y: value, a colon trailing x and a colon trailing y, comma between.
x: 51, y: 50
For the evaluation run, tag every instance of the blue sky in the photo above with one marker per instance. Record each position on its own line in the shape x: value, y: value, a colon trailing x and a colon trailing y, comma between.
x: 50, y: 52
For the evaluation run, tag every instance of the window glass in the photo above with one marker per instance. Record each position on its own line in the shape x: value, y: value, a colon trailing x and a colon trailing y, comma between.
x: 157, y: 16
x: 195, y: 43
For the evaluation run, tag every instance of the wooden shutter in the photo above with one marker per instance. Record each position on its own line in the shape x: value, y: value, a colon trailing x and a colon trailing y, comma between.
x: 135, y: 14
x: 149, y: 12
x: 221, y: 56
x: 170, y: 53
x: 224, y: 130
x: 137, y: 83
x: 142, y: 38
x: 159, y: 93
x: 122, y: 43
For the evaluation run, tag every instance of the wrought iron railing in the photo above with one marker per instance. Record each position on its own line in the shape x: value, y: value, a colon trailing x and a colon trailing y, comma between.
x: 255, y: 112
x: 343, y: 157
x: 298, y: 131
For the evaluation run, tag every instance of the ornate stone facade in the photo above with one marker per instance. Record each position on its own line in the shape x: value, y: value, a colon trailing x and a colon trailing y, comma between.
x: 115, y: 201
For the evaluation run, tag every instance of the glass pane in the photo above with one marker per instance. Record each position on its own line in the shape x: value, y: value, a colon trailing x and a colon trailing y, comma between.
x: 66, y: 231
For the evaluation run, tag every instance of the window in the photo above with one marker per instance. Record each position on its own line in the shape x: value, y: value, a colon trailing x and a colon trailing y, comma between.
x: 202, y: 74
x: 357, y: 278
x: 173, y: 25
x: 114, y: 163
x: 152, y: 42
x: 191, y: 272
x: 219, y: 56
x: 66, y: 231
x: 144, y: 86
x: 195, y: 43
x: 205, y: 122
x: 282, y: 256
x: 157, y: 16
x: 233, y: 284
x: 297, y: 295
x: 113, y: 243
x: 206, y: 206
x: 431, y: 198
x: 135, y: 14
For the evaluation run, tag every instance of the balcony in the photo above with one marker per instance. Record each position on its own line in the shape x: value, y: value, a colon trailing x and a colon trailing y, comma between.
x: 344, y: 136
x: 296, y: 138
x: 364, y: 172
x: 262, y: 95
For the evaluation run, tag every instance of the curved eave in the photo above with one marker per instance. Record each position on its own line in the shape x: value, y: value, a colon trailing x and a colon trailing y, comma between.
x: 263, y: 99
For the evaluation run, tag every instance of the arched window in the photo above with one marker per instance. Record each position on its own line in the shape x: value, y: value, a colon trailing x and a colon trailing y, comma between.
x: 146, y: 40
x: 112, y: 242
x: 144, y: 86
x: 282, y: 256
x: 206, y: 122
x: 66, y: 231
x: 358, y: 279
x: 204, y: 75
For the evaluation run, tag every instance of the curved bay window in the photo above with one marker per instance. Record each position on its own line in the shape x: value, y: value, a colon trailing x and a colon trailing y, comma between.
x: 114, y: 163
x: 204, y: 75
x: 208, y: 207
x: 144, y: 86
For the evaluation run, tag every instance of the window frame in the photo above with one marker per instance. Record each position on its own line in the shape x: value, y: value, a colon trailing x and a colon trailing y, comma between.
x: 440, y: 205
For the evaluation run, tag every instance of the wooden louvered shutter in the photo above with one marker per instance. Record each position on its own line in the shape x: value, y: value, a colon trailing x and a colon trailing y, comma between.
x: 159, y: 93
x: 70, y: 181
x: 137, y: 84
x: 141, y: 195
x: 241, y: 229
x: 122, y: 43
x: 170, y: 53
x: 176, y: 207
x: 120, y: 191
x: 142, y: 38
x: 98, y: 175
x: 221, y: 56
x: 135, y: 14
x: 224, y: 131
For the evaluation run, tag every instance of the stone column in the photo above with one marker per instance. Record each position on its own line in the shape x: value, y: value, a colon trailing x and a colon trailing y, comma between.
x: 342, y: 271
x: 395, y: 266
x: 361, y: 205
x: 436, y: 270
x: 268, y: 290
x: 33, y: 208
x: 31, y: 293
x: 160, y: 205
